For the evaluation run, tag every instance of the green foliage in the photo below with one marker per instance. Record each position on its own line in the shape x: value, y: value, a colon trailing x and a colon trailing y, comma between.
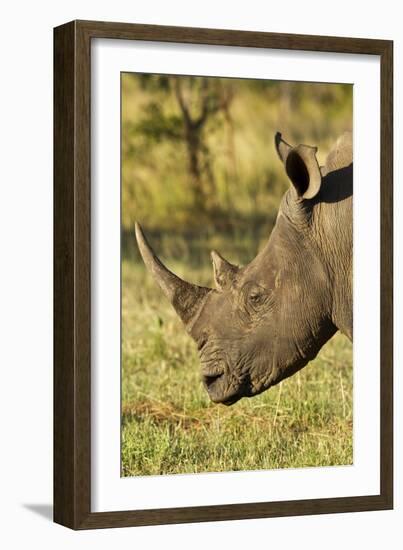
x: 170, y: 426
x: 156, y: 126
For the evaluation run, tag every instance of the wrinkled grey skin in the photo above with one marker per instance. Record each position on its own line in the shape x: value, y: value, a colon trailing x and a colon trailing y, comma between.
x: 267, y: 320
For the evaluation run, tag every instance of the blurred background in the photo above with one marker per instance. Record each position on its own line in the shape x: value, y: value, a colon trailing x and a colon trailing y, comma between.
x: 200, y: 171
x: 198, y: 157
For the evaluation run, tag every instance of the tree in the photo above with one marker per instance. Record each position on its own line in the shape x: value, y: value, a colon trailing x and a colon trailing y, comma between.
x: 199, y: 101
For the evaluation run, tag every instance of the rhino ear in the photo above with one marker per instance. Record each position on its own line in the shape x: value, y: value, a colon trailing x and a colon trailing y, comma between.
x: 303, y: 170
x: 224, y: 272
x: 302, y: 167
x: 282, y: 147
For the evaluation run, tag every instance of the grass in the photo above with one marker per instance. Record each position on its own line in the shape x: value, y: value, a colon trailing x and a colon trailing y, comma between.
x: 169, y: 425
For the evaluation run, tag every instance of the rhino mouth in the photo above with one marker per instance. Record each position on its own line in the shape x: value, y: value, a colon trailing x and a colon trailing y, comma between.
x: 219, y: 387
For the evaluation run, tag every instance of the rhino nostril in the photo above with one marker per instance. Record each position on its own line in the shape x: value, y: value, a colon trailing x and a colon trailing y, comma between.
x: 202, y: 342
x: 210, y: 379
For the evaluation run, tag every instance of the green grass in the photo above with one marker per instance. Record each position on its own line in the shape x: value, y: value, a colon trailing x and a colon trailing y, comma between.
x: 170, y: 426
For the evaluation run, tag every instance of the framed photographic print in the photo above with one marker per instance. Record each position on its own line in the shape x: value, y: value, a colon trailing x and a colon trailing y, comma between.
x: 209, y: 265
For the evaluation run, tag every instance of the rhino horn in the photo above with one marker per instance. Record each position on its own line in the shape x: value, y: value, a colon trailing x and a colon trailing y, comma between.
x: 186, y: 298
x: 224, y: 272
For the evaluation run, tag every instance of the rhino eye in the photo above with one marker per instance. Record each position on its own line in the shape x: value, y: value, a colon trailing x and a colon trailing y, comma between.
x: 256, y: 296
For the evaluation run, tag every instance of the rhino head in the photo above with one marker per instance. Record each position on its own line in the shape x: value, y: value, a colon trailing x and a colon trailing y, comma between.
x: 265, y: 321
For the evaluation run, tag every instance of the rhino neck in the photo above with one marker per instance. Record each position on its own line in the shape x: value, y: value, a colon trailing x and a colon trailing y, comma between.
x: 332, y: 232
x: 292, y: 265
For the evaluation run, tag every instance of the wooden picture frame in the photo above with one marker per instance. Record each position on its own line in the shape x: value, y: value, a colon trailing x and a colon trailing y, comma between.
x: 72, y: 272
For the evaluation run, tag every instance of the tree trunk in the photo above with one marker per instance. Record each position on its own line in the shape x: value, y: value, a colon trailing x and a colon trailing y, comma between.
x: 193, y: 151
